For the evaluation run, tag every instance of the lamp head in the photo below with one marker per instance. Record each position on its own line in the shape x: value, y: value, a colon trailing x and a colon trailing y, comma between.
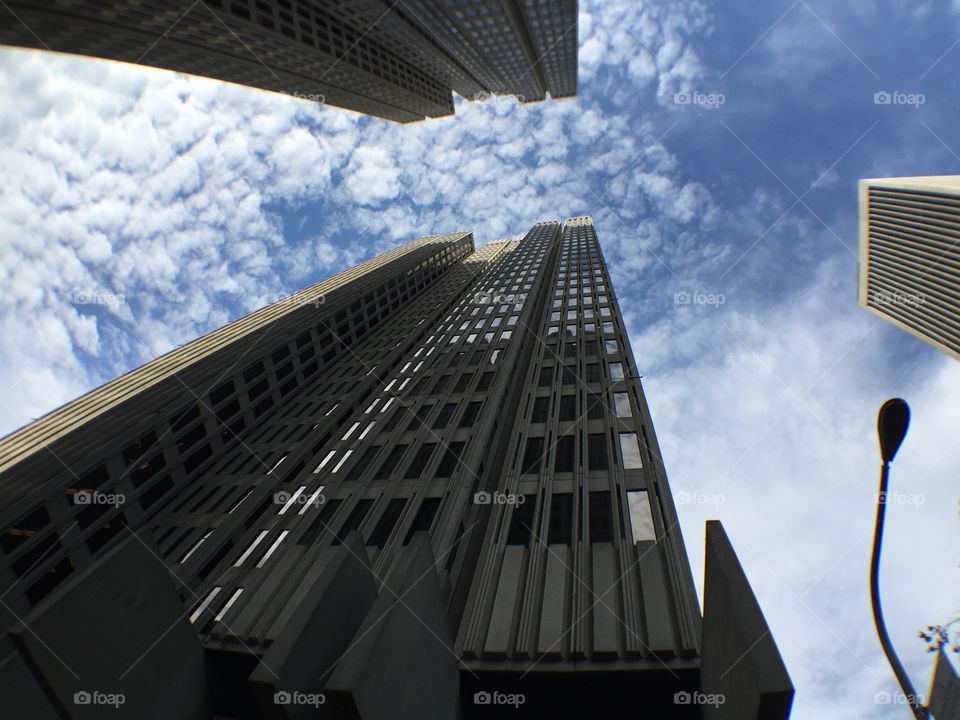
x: 892, y: 423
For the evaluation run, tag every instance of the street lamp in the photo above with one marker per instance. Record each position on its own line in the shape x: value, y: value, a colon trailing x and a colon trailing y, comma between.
x: 892, y: 423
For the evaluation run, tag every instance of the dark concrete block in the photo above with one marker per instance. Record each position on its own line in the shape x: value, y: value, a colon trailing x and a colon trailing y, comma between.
x: 316, y: 637
x: 741, y: 663
x: 117, y: 636
x: 403, y: 665
x: 20, y: 693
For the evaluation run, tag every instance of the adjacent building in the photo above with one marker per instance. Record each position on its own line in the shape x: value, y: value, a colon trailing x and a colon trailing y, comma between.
x: 426, y: 487
x: 909, y: 261
x: 395, y: 60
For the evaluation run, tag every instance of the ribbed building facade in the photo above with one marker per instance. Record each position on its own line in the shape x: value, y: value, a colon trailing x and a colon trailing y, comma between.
x: 909, y: 260
x: 395, y: 60
x: 423, y: 487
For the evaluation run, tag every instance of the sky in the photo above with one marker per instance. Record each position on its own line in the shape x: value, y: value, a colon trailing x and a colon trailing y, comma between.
x: 717, y: 147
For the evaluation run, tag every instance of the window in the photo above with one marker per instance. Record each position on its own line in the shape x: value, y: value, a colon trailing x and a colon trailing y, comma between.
x: 521, y: 521
x: 541, y: 407
x: 621, y: 403
x: 533, y: 456
x: 470, y: 414
x: 641, y: 518
x: 568, y: 407
x: 610, y: 347
x: 391, y: 462
x: 250, y: 548
x: 273, y: 548
x: 593, y: 373
x: 354, y: 520
x: 601, y: 517
x: 450, y: 460
x: 565, y: 454
x: 569, y: 375
x: 443, y: 417
x: 630, y: 451
x: 387, y: 522
x: 546, y: 376
x: 423, y: 519
x: 419, y: 461
x: 560, y: 527
x: 485, y: 381
x: 616, y: 371
x: 597, y: 451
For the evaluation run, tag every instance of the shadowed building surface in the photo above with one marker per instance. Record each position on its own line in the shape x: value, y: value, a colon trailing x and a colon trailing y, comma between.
x: 426, y: 487
x: 395, y: 60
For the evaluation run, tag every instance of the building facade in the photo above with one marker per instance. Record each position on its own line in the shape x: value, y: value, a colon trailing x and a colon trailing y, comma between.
x: 398, y: 61
x: 909, y: 262
x: 426, y: 487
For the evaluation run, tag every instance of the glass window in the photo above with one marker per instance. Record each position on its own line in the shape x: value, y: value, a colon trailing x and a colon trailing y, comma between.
x: 621, y: 402
x: 616, y: 371
x: 554, y: 317
x: 541, y: 407
x: 571, y: 314
x: 597, y: 451
x: 630, y: 451
x: 533, y: 456
x: 601, y: 517
x: 610, y: 346
x: 506, y: 334
x: 608, y: 328
x: 568, y: 407
x: 641, y: 518
x: 565, y: 454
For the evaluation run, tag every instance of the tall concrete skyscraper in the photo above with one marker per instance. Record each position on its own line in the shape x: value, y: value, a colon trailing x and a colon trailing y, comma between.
x: 909, y: 269
x: 426, y: 487
x: 395, y: 60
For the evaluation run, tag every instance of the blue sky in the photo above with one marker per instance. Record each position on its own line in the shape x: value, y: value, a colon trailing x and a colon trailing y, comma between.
x: 181, y: 203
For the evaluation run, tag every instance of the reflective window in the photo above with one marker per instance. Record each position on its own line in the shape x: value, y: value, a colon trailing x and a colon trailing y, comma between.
x: 630, y: 451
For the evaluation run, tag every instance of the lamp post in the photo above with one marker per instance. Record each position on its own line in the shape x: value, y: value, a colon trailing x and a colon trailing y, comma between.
x: 892, y: 423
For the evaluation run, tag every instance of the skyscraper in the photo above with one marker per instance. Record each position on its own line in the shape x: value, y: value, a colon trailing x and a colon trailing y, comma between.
x: 909, y: 270
x: 398, y: 61
x: 425, y: 487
